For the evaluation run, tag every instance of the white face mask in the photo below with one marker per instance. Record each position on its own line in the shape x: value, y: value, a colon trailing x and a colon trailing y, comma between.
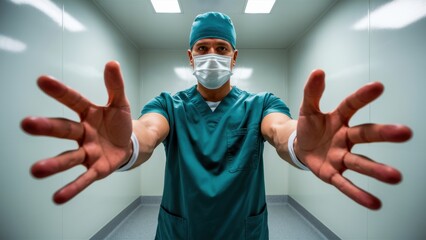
x: 212, y: 70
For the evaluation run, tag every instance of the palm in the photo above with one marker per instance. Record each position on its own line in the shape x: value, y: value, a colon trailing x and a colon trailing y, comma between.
x: 325, y: 140
x: 103, y: 133
x: 105, y: 142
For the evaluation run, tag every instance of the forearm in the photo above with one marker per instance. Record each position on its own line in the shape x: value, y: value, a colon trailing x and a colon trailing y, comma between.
x: 145, y: 140
x: 277, y: 128
x: 149, y: 131
x: 280, y: 137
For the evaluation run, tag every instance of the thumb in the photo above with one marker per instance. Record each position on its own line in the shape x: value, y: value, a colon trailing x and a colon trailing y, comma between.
x: 115, y: 85
x: 313, y: 91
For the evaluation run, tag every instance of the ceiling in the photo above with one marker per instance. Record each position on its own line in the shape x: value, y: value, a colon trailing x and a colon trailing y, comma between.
x: 288, y: 20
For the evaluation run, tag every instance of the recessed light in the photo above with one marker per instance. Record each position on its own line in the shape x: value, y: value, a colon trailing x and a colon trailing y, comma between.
x: 166, y: 6
x: 259, y: 6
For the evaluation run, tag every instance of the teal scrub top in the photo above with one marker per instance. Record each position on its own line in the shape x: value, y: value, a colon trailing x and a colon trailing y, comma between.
x: 214, y: 179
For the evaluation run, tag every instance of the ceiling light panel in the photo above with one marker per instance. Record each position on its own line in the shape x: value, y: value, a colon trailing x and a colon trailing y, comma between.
x: 259, y: 6
x: 166, y: 6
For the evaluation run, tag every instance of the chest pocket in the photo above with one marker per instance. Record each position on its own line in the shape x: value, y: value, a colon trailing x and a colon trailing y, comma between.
x: 243, y: 149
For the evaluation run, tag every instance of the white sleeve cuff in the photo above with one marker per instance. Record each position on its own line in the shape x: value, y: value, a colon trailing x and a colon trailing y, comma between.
x: 293, y: 156
x: 134, y: 156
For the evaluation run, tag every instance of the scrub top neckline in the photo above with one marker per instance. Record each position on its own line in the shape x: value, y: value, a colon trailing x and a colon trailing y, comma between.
x: 213, y: 105
x: 204, y: 109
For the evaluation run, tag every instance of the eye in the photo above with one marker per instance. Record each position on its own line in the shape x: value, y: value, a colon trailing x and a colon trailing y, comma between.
x: 202, y: 48
x: 222, y: 49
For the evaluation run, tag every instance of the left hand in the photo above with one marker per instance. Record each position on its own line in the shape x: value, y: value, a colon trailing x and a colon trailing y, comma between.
x: 324, y: 140
x: 103, y: 133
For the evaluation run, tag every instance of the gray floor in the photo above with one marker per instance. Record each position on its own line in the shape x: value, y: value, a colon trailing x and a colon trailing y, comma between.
x: 285, y: 223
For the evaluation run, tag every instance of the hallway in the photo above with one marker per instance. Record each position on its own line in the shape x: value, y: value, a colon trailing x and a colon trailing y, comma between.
x: 285, y: 223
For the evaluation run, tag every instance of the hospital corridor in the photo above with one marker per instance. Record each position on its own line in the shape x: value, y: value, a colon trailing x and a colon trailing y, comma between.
x: 225, y: 166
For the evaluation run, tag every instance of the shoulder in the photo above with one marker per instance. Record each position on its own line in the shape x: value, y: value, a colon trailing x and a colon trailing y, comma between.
x: 267, y: 101
x: 181, y: 95
x: 165, y: 102
x: 260, y: 96
x: 185, y: 94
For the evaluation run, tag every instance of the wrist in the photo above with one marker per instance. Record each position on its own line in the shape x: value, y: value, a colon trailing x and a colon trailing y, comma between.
x: 292, y: 148
x: 132, y: 154
x: 129, y: 152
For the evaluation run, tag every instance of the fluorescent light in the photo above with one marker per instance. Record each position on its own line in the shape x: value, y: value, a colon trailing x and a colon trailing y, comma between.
x: 242, y: 73
x: 259, y: 6
x: 11, y: 45
x: 166, y: 6
x: 393, y: 15
x: 185, y: 73
x: 55, y: 13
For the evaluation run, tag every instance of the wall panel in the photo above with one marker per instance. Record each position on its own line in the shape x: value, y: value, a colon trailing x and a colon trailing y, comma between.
x: 353, y: 48
x: 72, y: 41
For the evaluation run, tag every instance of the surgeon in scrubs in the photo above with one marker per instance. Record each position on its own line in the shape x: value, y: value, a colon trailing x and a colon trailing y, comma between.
x: 214, y: 134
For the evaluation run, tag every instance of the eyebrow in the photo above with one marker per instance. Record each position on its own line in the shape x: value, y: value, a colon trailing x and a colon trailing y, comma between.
x: 222, y: 43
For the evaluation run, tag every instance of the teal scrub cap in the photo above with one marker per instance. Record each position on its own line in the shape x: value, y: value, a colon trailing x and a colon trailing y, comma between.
x: 212, y: 25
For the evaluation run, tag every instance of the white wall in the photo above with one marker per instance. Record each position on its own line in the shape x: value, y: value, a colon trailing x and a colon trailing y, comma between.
x: 77, y: 59
x: 158, y: 73
x: 352, y: 58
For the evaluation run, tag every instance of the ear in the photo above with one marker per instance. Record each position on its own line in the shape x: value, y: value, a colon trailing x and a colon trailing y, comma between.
x: 234, y: 59
x: 191, y: 59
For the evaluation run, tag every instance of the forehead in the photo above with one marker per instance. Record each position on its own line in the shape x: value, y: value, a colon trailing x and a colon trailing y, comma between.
x: 212, y: 41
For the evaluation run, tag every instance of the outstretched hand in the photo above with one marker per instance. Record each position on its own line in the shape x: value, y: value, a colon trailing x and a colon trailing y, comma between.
x: 103, y: 133
x: 325, y: 140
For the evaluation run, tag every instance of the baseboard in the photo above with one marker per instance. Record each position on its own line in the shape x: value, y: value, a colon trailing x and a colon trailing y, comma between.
x: 270, y: 199
x: 279, y: 199
x: 324, y: 230
x: 111, y: 225
x: 147, y: 200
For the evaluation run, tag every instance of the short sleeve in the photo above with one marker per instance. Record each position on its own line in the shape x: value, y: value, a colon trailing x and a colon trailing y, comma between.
x: 157, y: 105
x: 274, y: 104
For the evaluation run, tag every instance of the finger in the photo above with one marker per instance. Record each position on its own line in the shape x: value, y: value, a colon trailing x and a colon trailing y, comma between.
x: 60, y: 163
x: 355, y: 193
x: 75, y: 187
x: 366, y: 166
x: 64, y: 94
x: 379, y: 133
x: 53, y: 127
x: 313, y: 91
x: 359, y: 99
x: 115, y: 85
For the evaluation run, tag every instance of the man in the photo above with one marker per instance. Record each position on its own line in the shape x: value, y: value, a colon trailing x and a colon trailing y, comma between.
x: 213, y: 135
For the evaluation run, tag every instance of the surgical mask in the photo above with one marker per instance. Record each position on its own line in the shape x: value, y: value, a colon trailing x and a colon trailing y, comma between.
x: 212, y: 70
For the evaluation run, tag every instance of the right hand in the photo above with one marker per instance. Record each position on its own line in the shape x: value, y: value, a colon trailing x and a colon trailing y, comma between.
x: 325, y: 140
x: 103, y: 133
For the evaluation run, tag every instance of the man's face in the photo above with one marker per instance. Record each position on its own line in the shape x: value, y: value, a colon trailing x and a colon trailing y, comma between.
x: 212, y: 46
